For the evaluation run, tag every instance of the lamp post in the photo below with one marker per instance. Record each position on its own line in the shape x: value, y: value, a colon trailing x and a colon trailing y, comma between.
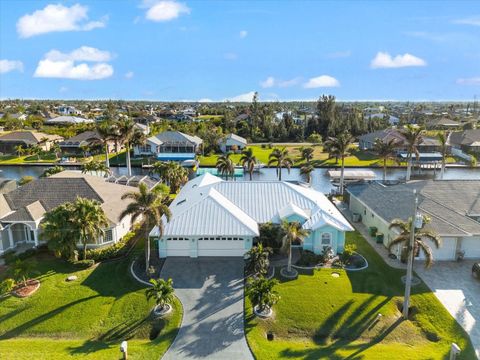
x: 416, y: 223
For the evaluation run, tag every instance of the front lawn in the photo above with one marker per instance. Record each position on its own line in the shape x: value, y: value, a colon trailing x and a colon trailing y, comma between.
x: 322, y: 317
x: 88, y: 318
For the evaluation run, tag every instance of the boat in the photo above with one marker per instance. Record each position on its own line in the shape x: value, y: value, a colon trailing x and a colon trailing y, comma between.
x: 256, y: 168
x: 350, y: 176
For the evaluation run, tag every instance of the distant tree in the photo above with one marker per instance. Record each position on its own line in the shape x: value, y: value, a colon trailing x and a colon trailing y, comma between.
x: 306, y: 154
x: 340, y: 147
x: 171, y: 173
x: 385, y: 150
x: 225, y: 166
x: 306, y: 170
x: 280, y: 159
x: 52, y: 171
x: 314, y: 138
x: 126, y: 132
x: 19, y: 149
x: 443, y: 139
x: 107, y: 131
x: 248, y: 160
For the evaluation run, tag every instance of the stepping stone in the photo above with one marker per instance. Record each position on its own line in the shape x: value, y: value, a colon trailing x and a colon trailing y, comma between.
x: 72, y: 278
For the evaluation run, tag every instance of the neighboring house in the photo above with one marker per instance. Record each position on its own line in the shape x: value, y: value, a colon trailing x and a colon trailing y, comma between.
x: 7, y: 185
x: 87, y: 139
x: 232, y: 141
x: 17, y: 116
x: 443, y: 124
x: 70, y: 120
x: 467, y: 140
x: 213, y: 217
x: 452, y: 205
x: 367, y: 141
x: 145, y: 129
x: 10, y: 141
x: 392, y: 120
x: 22, y: 210
x: 170, y: 146
x: 68, y: 110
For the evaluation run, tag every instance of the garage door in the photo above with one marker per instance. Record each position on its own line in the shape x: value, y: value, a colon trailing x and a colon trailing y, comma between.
x: 445, y: 252
x: 221, y: 246
x: 471, y: 247
x: 178, y: 246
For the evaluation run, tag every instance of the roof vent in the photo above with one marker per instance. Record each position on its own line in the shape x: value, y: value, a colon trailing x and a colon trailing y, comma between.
x: 181, y: 202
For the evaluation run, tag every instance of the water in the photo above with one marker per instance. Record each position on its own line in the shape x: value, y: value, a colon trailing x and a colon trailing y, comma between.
x: 320, y: 179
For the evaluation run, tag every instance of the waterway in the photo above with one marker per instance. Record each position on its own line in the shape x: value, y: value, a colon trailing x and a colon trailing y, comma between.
x: 320, y: 178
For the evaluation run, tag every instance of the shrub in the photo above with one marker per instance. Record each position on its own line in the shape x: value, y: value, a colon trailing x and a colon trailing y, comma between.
x: 9, y: 257
x: 27, y: 254
x: 338, y: 264
x: 271, y: 236
x: 327, y: 254
x: 83, y: 264
x: 6, y: 286
x: 112, y: 251
x: 25, y: 180
x: 348, y: 251
x: 308, y: 258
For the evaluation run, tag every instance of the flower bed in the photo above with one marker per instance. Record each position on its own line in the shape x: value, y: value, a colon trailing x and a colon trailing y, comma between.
x: 23, y: 291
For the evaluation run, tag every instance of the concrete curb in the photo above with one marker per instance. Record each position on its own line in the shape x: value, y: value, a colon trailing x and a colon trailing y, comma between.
x: 136, y: 277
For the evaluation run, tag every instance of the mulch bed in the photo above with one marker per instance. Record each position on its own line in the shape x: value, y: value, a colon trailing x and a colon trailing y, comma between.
x: 139, y: 267
x: 23, y: 291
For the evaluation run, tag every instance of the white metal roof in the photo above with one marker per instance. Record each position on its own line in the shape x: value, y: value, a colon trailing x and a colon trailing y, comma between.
x: 207, y: 205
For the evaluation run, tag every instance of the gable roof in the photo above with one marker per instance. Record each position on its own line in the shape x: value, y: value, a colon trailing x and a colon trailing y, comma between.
x: 86, y: 136
x: 29, y: 137
x: 466, y: 137
x: 175, y: 137
x: 236, y: 138
x: 64, y: 119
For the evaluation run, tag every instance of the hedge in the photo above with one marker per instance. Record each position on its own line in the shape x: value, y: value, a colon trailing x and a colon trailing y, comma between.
x: 112, y: 251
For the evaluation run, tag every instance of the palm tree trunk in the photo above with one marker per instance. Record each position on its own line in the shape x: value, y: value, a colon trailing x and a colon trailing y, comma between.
x: 147, y: 248
x: 341, y: 175
x: 384, y: 169
x: 280, y: 173
x: 250, y: 172
x: 289, y: 266
x: 107, y: 160
x: 129, y: 166
x: 442, y: 171
x: 84, y: 247
x: 409, y: 168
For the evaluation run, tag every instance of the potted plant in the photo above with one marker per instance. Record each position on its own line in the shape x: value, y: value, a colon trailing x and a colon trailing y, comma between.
x: 263, y: 297
x: 258, y: 262
x: 162, y: 292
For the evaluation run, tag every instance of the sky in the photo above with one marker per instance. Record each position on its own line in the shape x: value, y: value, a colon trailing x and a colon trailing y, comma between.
x: 226, y: 50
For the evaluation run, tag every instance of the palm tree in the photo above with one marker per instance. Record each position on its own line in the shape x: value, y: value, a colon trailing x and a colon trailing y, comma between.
x: 60, y: 232
x: 443, y: 140
x: 97, y: 167
x: 258, y: 262
x: 225, y: 166
x: 386, y: 150
x: 293, y: 232
x: 90, y: 220
x: 306, y: 170
x: 107, y: 132
x: 151, y: 206
x: 421, y: 234
x: 280, y: 158
x: 19, y: 150
x: 306, y: 154
x: 52, y: 171
x: 126, y: 131
x: 248, y: 160
x: 171, y: 173
x: 55, y: 149
x: 35, y: 150
x: 413, y: 138
x: 261, y: 294
x: 161, y: 291
x: 340, y: 147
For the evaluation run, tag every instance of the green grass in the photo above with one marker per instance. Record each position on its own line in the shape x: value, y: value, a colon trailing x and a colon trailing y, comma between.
x: 28, y: 159
x: 358, y: 158
x: 87, y: 318
x: 322, y: 317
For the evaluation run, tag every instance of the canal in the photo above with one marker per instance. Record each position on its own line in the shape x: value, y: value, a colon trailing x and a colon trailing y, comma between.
x: 320, y: 179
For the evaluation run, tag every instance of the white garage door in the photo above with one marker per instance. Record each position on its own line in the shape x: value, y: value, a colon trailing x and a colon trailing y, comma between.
x: 472, y: 247
x: 178, y: 246
x: 221, y: 246
x: 445, y: 252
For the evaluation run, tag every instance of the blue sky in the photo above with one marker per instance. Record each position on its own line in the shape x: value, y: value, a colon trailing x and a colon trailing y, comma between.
x: 214, y: 50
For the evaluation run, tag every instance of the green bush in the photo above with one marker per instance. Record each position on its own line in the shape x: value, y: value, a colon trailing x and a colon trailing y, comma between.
x: 6, y: 286
x: 270, y: 236
x: 112, y: 251
x: 27, y: 254
x: 83, y: 264
x: 9, y: 257
x: 348, y: 251
x: 308, y: 258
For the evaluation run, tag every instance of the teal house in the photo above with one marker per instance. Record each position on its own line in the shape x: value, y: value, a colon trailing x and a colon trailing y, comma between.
x: 213, y: 217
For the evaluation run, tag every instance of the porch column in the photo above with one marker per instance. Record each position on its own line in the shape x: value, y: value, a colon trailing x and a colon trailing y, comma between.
x: 35, y: 237
x: 10, y: 235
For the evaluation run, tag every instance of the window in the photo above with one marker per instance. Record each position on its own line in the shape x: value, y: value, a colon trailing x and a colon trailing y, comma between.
x: 144, y: 148
x: 108, y: 236
x: 326, y: 239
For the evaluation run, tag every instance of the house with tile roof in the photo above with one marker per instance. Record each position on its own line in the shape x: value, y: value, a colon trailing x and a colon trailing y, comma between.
x: 87, y: 139
x: 213, y: 217
x: 9, y: 141
x: 22, y: 210
x: 452, y: 205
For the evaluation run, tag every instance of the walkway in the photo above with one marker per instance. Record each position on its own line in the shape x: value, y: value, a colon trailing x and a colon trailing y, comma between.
x: 211, y: 292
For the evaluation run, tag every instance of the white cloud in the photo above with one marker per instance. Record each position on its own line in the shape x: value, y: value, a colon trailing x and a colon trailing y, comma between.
x: 56, y: 64
x: 385, y: 60
x: 129, y: 75
x: 230, y: 56
x: 10, y: 65
x: 273, y: 82
x: 469, y: 81
x: 247, y: 97
x: 56, y: 17
x: 243, y: 34
x: 321, y: 81
x: 164, y: 10
x: 474, y: 21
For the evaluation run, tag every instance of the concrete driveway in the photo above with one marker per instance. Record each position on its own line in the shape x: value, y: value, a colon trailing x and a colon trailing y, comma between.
x: 459, y: 292
x: 211, y: 292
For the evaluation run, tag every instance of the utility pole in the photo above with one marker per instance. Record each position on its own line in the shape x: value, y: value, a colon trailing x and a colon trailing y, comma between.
x: 411, y: 255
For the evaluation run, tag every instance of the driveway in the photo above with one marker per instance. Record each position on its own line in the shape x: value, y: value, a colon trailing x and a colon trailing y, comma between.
x: 459, y: 292
x: 211, y: 292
